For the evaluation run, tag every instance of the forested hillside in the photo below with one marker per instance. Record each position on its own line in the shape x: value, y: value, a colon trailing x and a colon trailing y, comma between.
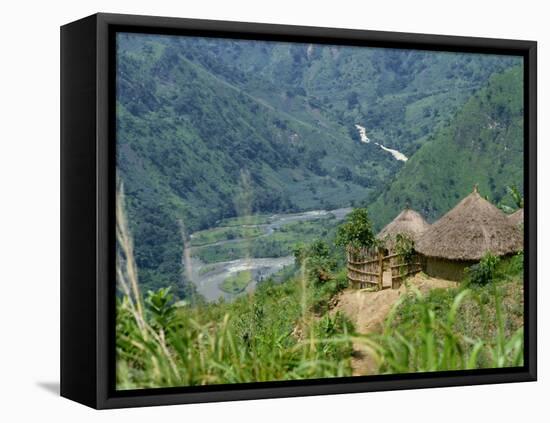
x: 400, y: 96
x: 193, y: 149
x: 209, y: 129
x: 482, y: 145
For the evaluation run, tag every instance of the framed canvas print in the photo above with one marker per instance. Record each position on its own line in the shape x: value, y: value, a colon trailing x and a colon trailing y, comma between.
x: 255, y: 211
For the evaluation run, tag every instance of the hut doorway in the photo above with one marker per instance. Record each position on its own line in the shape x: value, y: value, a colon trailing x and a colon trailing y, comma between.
x: 386, y: 277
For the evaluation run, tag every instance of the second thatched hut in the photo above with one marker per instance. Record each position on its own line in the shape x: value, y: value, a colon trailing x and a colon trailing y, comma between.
x: 408, y: 222
x: 464, y: 235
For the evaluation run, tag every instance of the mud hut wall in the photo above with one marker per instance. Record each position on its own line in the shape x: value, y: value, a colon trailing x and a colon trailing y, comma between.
x: 452, y: 270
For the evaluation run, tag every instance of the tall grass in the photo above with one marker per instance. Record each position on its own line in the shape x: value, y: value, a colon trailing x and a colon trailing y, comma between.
x: 285, y: 331
x: 245, y: 347
x: 457, y: 329
x: 272, y: 335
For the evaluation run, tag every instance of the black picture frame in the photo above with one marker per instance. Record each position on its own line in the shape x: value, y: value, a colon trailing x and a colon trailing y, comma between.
x: 87, y: 210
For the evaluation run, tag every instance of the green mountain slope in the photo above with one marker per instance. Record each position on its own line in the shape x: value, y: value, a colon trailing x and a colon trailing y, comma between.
x: 193, y: 148
x: 209, y: 129
x: 482, y: 145
x: 400, y: 96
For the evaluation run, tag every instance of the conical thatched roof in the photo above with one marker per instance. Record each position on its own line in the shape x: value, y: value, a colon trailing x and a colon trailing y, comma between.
x: 470, y: 230
x: 408, y: 222
x: 516, y: 218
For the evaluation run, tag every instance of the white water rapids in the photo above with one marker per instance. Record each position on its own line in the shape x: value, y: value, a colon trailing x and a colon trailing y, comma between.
x: 397, y: 155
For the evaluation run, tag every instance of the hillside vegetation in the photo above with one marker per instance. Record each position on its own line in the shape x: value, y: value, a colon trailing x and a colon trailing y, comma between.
x: 469, y: 327
x: 400, y: 96
x: 483, y: 144
x: 213, y: 129
x: 245, y: 170
x: 283, y: 331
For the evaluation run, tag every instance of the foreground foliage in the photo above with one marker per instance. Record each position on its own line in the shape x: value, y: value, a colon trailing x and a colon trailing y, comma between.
x: 284, y: 331
x: 270, y: 336
x: 470, y: 327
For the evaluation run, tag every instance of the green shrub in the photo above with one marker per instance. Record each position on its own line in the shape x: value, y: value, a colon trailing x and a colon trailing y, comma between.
x: 332, y: 333
x: 511, y: 267
x: 404, y: 245
x: 325, y: 292
x: 161, y: 309
x: 316, y: 260
x: 356, y: 230
x: 483, y: 272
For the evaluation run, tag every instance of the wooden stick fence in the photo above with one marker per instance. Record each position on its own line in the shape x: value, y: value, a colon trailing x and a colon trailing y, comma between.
x: 366, y: 267
x: 401, y: 268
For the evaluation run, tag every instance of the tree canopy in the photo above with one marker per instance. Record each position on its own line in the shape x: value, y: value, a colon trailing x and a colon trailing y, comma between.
x: 356, y: 230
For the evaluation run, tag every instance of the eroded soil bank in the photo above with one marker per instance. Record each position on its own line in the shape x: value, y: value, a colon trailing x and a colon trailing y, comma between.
x: 368, y: 311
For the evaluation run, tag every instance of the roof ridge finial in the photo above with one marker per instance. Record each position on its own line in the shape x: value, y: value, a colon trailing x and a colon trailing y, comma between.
x: 476, y: 188
x: 407, y: 205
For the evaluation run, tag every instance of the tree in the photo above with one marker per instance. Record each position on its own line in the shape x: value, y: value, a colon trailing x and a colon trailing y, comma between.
x: 317, y: 260
x: 352, y: 99
x: 516, y: 196
x: 356, y: 230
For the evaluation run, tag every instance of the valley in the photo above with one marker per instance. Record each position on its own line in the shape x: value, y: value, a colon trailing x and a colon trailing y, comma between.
x: 253, y: 181
x: 210, y: 129
x: 208, y: 276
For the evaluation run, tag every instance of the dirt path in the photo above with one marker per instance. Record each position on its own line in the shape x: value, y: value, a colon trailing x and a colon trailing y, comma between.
x: 368, y: 310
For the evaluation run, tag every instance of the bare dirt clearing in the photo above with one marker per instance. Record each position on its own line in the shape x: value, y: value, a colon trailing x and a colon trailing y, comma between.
x: 368, y: 310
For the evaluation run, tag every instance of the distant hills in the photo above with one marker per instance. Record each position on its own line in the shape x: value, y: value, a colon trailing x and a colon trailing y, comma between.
x: 212, y: 128
x: 483, y: 144
x: 400, y: 96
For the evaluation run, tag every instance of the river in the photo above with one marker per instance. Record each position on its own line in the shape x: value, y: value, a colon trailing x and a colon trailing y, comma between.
x: 208, y: 277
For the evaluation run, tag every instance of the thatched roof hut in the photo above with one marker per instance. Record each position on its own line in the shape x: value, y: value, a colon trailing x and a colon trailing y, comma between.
x: 465, y: 234
x: 408, y: 222
x: 517, y: 217
x: 469, y: 230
